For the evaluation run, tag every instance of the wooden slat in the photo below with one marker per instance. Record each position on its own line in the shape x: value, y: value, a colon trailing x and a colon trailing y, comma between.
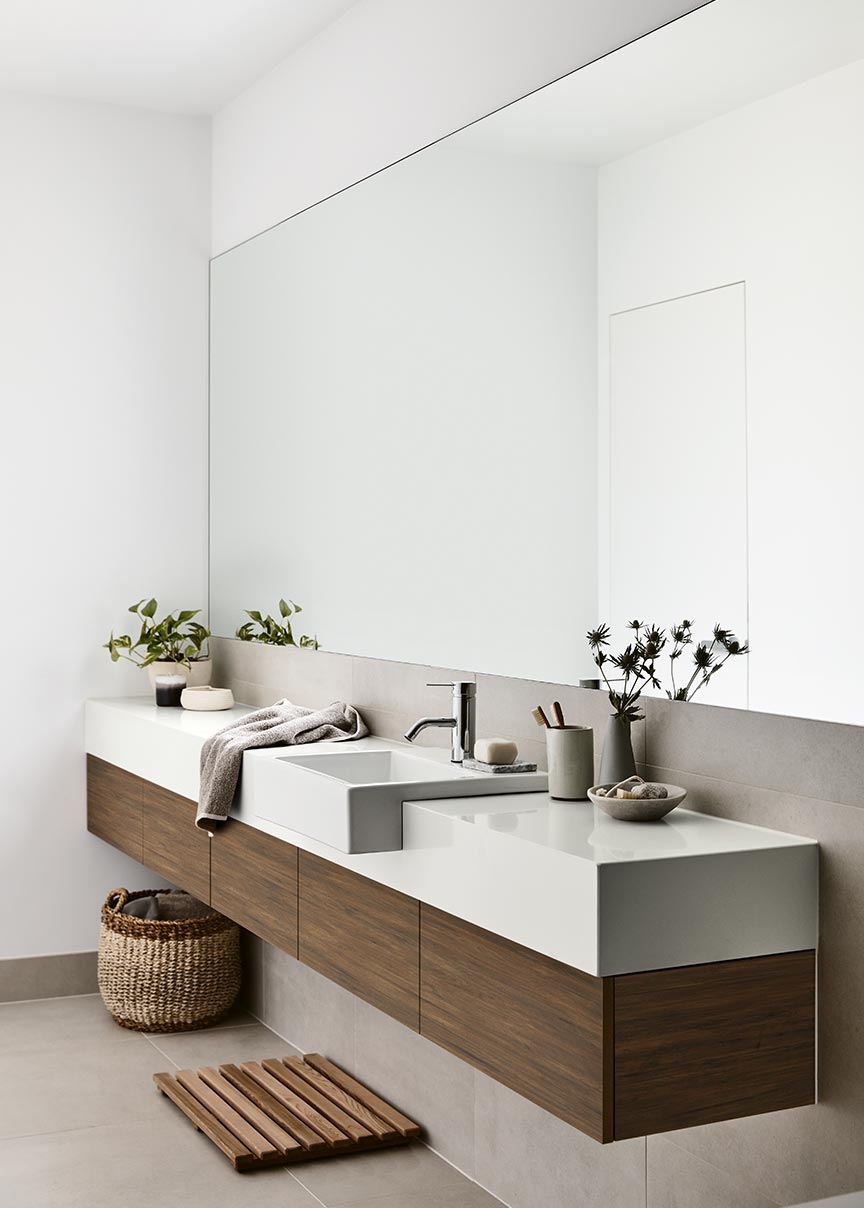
x: 271, y: 1113
x: 382, y: 1109
x: 309, y: 1115
x: 239, y: 1156
x: 341, y: 1098
x: 259, y: 1119
x: 308, y: 1138
x: 241, y: 1128
x: 330, y: 1110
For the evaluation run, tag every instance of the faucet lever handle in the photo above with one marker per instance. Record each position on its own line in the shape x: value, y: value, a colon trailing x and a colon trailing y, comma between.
x: 463, y: 685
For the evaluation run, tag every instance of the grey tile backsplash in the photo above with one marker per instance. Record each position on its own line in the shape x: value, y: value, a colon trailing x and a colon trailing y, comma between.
x: 791, y: 774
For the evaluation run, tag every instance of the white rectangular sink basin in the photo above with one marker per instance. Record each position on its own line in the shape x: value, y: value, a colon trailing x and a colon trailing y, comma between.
x: 351, y: 797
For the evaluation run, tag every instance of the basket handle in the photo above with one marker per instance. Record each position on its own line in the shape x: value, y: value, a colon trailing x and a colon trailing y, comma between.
x: 117, y: 899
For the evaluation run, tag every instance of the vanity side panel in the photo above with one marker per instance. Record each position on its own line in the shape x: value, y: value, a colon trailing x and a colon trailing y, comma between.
x: 362, y: 935
x: 714, y: 1042
x: 253, y: 880
x: 172, y: 845
x: 114, y: 806
x: 524, y: 1019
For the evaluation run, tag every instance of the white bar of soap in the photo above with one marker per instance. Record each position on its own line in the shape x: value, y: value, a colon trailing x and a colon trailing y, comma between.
x: 495, y: 750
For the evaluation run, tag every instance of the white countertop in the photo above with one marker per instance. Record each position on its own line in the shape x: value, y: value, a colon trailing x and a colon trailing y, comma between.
x: 561, y: 878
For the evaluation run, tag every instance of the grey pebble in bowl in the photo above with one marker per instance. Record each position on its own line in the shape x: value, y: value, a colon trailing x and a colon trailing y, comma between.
x: 645, y: 809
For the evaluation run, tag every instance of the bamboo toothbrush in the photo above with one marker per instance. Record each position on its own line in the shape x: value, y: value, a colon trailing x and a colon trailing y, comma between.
x: 540, y: 717
x: 559, y: 714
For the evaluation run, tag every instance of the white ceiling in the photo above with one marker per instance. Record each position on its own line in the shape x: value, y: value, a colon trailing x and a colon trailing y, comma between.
x: 723, y: 56
x: 183, y: 56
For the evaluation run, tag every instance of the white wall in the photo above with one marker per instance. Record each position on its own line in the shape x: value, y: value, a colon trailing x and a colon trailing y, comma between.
x: 104, y: 232
x: 389, y: 77
x: 770, y: 195
x: 417, y: 434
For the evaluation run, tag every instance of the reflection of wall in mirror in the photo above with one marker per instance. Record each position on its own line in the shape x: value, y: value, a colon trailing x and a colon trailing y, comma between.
x: 768, y: 194
x: 403, y: 380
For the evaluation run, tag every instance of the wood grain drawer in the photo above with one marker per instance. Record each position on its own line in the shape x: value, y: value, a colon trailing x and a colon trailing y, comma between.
x: 362, y: 935
x: 525, y: 1020
x: 253, y: 880
x: 714, y: 1042
x: 172, y: 845
x: 114, y: 806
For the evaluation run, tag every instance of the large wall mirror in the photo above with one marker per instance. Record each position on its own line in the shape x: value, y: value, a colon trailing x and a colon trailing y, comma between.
x: 596, y: 356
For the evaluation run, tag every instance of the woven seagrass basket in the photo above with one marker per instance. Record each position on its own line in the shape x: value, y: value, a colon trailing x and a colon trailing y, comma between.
x: 166, y: 976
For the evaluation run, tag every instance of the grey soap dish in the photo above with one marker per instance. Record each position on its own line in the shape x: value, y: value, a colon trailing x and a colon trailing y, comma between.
x: 632, y: 809
x: 477, y: 765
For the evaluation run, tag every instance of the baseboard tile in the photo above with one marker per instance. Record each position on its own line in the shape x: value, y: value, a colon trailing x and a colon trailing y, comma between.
x: 65, y: 975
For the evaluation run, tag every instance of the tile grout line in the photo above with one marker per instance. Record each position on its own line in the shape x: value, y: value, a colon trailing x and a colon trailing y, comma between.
x: 759, y: 788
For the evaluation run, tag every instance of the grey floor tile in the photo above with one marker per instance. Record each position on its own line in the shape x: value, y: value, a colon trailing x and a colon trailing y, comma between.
x: 398, y: 1172
x: 468, y: 1195
x: 57, y: 1022
x: 76, y: 1085
x: 167, y: 1162
x: 218, y: 1046
x: 429, y: 1084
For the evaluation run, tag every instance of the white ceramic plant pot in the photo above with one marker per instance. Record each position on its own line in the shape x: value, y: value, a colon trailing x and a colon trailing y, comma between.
x: 196, y: 676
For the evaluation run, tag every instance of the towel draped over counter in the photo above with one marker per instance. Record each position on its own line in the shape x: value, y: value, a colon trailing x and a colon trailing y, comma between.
x: 282, y: 724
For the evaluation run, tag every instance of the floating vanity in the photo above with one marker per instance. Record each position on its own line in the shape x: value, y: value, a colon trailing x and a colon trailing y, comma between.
x: 629, y: 978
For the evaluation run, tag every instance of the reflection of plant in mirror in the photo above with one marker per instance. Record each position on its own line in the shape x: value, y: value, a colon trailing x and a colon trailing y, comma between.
x: 273, y: 632
x: 177, y: 638
x: 708, y: 657
x: 637, y: 663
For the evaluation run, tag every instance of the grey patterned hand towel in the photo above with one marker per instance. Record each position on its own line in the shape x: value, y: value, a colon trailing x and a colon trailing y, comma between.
x: 282, y: 724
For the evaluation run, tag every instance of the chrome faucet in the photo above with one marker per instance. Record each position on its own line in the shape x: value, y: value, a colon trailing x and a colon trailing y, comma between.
x: 461, y: 721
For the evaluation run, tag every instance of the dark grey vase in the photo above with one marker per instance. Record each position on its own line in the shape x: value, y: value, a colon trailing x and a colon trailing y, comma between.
x: 617, y: 762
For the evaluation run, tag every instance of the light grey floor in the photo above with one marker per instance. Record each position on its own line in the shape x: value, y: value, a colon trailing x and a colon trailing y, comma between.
x: 82, y: 1125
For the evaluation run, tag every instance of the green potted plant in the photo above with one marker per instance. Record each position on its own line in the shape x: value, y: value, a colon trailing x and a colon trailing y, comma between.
x: 274, y: 632
x: 174, y: 645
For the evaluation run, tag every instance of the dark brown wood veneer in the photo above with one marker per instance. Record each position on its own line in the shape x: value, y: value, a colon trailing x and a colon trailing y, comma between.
x: 114, y: 805
x: 362, y: 935
x: 714, y: 1042
x: 172, y: 844
x: 253, y: 880
x: 525, y: 1020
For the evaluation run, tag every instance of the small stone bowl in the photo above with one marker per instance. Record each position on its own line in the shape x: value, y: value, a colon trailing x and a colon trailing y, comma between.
x: 649, y: 809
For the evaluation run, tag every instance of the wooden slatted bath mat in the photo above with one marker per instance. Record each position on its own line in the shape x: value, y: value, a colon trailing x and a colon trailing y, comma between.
x: 269, y: 1113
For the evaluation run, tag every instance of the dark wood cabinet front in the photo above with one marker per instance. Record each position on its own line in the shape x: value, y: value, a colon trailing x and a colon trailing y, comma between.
x: 362, y: 935
x: 525, y: 1020
x: 172, y: 845
x: 114, y: 806
x: 714, y: 1042
x: 253, y: 880
x: 616, y: 1057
